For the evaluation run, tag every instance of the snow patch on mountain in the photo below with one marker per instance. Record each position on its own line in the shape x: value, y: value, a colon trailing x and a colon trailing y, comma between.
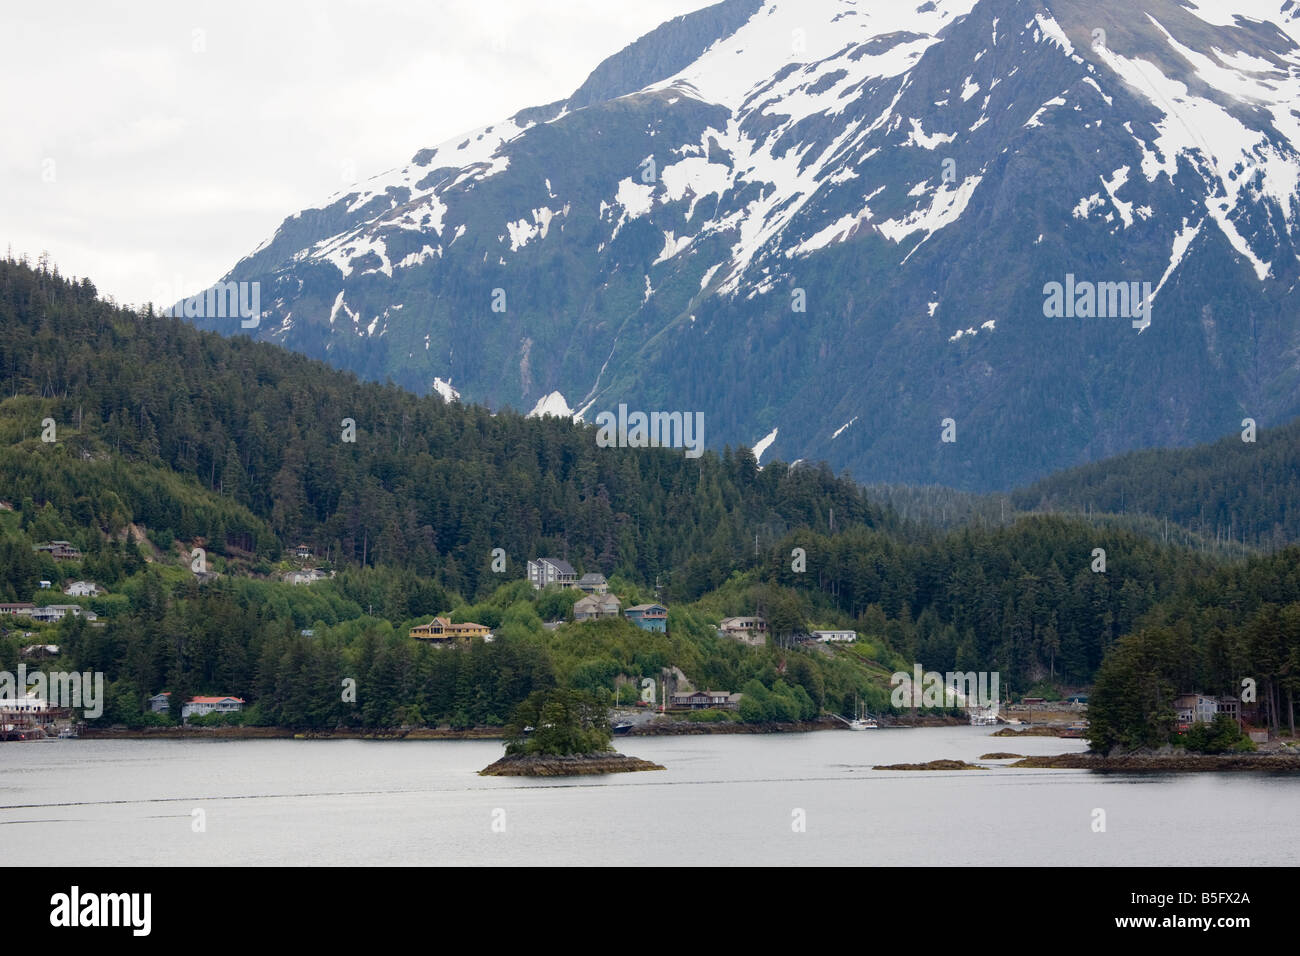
x: 697, y: 176
x: 1036, y: 119
x: 1217, y: 143
x: 522, y: 231
x: 1052, y: 31
x: 672, y: 246
x: 1182, y: 241
x: 339, y: 304
x: 444, y: 389
x: 552, y: 404
x: 946, y: 206
x: 987, y: 326
x: 917, y: 137
x: 415, y: 258
x: 1112, y: 186
x: 809, y: 32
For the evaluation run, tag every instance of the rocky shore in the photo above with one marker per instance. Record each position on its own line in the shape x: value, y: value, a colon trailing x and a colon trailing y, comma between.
x: 931, y: 765
x: 1267, y: 762
x: 672, y: 728
x: 654, y: 728
x: 288, y: 733
x: 572, y: 765
x: 1036, y: 730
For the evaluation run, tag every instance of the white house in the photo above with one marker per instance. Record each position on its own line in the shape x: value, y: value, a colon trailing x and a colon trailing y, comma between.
x: 53, y: 613
x: 198, y: 706
x: 827, y: 637
x: 27, y: 704
x: 82, y: 589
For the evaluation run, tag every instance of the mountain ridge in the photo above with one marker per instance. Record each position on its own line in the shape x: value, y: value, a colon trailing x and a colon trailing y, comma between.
x: 865, y: 231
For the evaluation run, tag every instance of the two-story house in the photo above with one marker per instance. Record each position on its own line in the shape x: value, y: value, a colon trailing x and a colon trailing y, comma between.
x: 1195, y: 709
x: 59, y: 550
x: 747, y: 630
x: 593, y: 583
x: 595, y: 606
x: 441, y: 630
x: 547, y: 571
x: 648, y: 617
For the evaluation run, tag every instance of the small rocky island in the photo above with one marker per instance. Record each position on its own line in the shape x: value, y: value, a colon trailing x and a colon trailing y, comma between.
x: 566, y: 765
x: 561, y: 733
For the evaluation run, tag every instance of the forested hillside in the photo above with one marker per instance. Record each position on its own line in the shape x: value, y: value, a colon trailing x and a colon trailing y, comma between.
x: 1236, y: 633
x: 431, y: 487
x: 1231, y: 491
x: 1028, y: 600
x: 139, y: 439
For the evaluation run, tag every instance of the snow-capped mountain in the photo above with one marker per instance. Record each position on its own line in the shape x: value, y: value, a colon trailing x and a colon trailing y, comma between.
x: 832, y: 225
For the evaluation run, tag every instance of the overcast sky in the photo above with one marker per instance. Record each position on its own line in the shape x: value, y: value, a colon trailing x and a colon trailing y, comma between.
x: 151, y: 145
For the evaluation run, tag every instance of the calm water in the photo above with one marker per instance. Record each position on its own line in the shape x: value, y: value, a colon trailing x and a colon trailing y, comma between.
x: 722, y: 800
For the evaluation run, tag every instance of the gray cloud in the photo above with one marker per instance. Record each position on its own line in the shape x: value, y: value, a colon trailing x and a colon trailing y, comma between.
x: 150, y: 145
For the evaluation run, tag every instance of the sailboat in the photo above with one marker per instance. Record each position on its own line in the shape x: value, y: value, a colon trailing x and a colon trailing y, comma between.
x: 863, y: 720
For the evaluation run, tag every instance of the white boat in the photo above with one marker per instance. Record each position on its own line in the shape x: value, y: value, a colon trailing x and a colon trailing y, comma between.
x: 863, y: 721
x: 983, y: 716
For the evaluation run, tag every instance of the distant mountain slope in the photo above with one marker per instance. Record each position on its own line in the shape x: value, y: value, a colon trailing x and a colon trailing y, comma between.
x: 830, y: 225
x: 1229, y: 489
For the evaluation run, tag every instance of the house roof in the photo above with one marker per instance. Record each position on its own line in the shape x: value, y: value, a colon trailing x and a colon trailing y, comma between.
x: 564, y: 567
x: 647, y: 607
x: 214, y: 700
x: 592, y: 577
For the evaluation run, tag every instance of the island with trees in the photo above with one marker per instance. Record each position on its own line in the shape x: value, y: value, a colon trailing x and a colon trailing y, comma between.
x: 561, y: 733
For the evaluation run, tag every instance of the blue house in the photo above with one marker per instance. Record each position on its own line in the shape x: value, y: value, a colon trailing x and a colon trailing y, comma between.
x: 648, y: 617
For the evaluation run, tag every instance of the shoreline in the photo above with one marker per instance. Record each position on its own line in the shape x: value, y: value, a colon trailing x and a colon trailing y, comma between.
x: 1165, y: 763
x: 654, y: 728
